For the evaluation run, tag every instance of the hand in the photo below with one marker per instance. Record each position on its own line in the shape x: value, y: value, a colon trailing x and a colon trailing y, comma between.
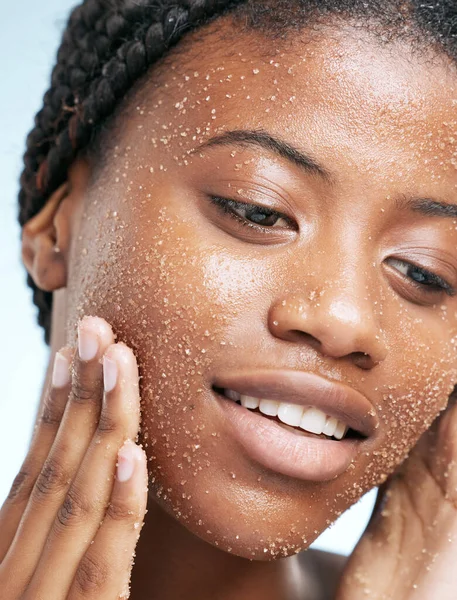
x: 70, y: 525
x: 409, y: 549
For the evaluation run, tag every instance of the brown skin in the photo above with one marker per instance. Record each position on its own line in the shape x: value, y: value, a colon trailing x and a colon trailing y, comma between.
x: 195, y: 294
x: 68, y: 503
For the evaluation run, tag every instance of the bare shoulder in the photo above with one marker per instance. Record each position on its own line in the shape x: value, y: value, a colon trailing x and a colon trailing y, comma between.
x: 324, y: 569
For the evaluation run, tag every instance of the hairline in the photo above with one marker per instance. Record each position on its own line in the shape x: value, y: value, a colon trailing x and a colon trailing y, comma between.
x: 108, y: 135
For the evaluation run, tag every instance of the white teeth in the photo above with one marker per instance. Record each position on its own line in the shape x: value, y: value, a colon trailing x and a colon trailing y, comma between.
x: 269, y: 407
x: 232, y: 395
x: 340, y: 430
x: 310, y: 419
x: 313, y: 420
x: 330, y: 426
x: 249, y: 402
x: 291, y: 414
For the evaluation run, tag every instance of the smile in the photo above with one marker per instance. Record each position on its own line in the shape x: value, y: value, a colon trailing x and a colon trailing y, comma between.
x: 296, y: 417
x: 295, y: 423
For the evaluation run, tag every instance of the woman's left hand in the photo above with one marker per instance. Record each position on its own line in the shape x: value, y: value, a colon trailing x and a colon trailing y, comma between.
x: 409, y: 549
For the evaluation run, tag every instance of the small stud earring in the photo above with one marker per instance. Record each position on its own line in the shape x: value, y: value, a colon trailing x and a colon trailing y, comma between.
x: 57, y: 249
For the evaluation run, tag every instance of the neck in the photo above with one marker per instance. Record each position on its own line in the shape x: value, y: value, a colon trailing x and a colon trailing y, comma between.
x: 172, y: 563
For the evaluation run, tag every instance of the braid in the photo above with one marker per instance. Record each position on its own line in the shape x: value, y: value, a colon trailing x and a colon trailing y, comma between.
x: 107, y: 46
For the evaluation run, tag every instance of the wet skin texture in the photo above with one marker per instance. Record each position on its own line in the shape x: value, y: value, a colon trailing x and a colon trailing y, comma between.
x: 197, y: 294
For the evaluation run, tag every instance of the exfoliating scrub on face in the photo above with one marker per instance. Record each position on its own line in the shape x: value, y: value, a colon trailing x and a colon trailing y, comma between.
x: 265, y: 215
x: 279, y: 284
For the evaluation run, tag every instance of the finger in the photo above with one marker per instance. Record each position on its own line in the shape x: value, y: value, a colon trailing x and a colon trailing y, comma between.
x: 104, y: 572
x: 83, y: 509
x: 45, y: 432
x: 70, y: 445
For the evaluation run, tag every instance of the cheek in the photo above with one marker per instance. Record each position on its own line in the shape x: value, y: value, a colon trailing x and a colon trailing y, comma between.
x: 410, y: 392
x: 413, y: 386
x: 174, y: 302
x: 425, y: 372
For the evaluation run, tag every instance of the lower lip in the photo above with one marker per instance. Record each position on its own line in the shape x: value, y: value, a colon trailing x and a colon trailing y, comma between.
x: 275, y: 448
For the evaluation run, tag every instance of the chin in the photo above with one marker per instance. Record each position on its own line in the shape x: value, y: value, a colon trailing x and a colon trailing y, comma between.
x: 256, y: 520
x: 258, y: 540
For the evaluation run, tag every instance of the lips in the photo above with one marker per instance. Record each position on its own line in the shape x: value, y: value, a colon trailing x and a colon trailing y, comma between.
x: 306, y: 389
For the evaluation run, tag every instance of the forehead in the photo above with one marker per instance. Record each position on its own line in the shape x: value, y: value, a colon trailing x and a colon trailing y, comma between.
x: 341, y: 86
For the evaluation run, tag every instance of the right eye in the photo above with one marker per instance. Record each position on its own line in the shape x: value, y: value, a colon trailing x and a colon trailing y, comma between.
x: 252, y: 215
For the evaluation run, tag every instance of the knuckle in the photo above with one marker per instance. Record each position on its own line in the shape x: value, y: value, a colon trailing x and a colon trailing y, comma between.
x: 52, y: 478
x: 20, y: 488
x: 73, y: 510
x: 85, y: 390
x: 121, y: 511
x: 107, y: 424
x: 91, y: 576
x: 51, y: 414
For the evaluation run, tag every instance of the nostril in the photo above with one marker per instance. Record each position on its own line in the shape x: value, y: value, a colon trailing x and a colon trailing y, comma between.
x: 362, y: 360
x: 295, y: 335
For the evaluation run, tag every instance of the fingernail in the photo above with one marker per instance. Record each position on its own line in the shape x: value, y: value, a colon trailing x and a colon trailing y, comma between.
x: 87, y: 343
x: 61, y: 371
x: 109, y: 374
x: 126, y: 458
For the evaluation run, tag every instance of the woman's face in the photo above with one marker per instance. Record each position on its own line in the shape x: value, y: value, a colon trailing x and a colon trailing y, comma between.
x: 343, y: 301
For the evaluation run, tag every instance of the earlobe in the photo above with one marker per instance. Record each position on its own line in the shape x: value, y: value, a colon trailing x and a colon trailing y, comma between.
x: 44, y: 244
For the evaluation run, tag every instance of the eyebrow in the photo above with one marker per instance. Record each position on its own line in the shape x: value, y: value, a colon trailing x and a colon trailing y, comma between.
x: 428, y: 207
x: 263, y: 139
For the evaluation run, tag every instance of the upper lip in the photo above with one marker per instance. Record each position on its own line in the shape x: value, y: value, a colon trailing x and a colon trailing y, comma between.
x: 307, y: 389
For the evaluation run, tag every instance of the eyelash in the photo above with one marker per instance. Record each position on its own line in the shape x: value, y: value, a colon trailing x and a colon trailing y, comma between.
x: 434, y: 282
x: 228, y: 207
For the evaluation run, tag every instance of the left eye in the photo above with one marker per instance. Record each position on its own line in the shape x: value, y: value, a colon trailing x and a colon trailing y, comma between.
x: 251, y: 213
x: 421, y: 277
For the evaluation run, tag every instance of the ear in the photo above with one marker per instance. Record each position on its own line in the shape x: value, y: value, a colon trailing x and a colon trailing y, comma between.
x: 46, y: 238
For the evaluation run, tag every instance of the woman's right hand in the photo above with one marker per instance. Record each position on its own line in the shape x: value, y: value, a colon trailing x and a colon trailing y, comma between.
x: 71, y: 522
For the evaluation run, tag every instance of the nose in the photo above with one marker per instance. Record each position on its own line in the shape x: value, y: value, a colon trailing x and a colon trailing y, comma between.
x: 334, y: 324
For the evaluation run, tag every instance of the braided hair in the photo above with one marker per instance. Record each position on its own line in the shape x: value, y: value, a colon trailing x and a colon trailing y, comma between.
x: 110, y: 44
